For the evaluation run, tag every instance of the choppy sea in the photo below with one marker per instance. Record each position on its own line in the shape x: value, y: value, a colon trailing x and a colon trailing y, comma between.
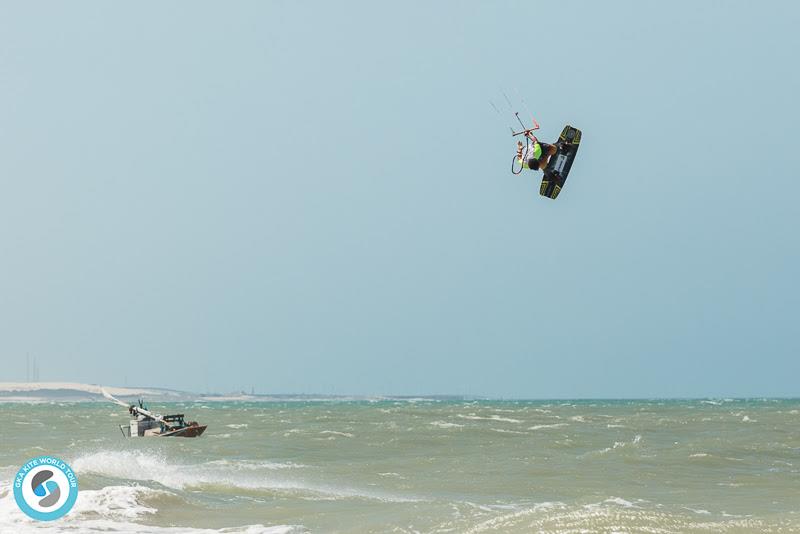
x: 421, y: 466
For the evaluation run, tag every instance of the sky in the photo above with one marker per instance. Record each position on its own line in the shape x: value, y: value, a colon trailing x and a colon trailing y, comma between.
x: 316, y: 197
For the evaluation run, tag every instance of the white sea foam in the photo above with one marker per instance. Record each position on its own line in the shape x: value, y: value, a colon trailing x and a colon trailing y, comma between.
x: 237, y: 425
x: 151, y: 467
x: 116, y: 501
x: 619, y: 501
x: 620, y: 444
x: 504, y: 521
x: 635, y: 441
x: 493, y: 417
x: 613, y: 515
x: 444, y: 424
x: 337, y: 433
x: 251, y: 465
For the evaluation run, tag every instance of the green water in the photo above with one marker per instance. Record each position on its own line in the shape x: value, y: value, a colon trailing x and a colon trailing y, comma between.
x: 425, y: 466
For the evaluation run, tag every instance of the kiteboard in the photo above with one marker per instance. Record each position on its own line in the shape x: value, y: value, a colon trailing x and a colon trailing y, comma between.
x: 559, y: 165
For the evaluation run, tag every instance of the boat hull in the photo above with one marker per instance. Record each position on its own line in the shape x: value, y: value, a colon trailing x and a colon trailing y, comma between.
x: 192, y: 431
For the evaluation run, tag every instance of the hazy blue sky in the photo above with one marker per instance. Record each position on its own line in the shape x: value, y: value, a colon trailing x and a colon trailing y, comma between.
x: 316, y: 197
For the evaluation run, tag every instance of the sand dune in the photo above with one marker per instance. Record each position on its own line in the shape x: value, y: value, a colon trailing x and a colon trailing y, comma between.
x: 73, y: 391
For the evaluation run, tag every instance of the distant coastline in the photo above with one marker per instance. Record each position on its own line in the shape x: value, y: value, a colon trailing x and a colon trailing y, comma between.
x: 44, y: 392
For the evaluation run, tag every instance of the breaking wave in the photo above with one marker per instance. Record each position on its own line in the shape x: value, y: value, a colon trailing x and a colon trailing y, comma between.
x: 225, y: 474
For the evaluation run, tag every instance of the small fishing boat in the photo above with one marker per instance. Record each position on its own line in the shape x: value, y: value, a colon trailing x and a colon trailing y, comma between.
x: 145, y: 423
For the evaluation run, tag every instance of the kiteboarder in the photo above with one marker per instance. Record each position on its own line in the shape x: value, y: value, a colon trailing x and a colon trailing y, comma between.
x: 534, y: 154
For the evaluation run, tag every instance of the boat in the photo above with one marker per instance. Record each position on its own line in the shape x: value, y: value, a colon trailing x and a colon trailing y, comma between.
x: 145, y: 423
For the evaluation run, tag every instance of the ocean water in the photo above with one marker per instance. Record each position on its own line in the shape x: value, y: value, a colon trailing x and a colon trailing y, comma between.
x: 421, y: 466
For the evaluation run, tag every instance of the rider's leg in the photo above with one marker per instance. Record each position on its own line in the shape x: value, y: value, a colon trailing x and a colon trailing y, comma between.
x: 547, y: 151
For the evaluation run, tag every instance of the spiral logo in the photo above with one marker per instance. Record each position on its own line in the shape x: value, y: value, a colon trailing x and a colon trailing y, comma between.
x: 45, y: 488
x: 42, y: 487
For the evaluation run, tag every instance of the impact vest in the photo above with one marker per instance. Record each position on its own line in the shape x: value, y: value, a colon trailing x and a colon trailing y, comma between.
x: 531, y: 152
x: 537, y: 150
